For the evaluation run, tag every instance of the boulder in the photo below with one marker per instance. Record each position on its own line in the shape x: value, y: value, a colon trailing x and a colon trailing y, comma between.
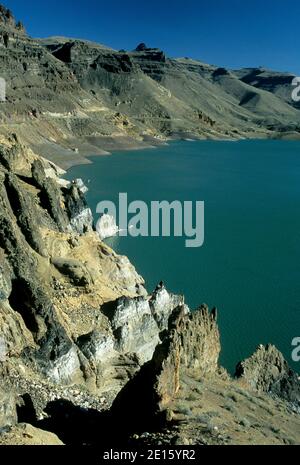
x: 97, y: 346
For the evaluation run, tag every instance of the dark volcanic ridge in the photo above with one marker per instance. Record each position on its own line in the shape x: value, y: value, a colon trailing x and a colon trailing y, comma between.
x: 68, y: 98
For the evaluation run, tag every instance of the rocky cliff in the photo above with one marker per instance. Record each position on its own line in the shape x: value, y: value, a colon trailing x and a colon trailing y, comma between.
x: 83, y: 344
x: 72, y: 311
x: 79, y: 333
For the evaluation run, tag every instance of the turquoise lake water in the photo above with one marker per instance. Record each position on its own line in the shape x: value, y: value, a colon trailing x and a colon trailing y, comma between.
x: 249, y: 264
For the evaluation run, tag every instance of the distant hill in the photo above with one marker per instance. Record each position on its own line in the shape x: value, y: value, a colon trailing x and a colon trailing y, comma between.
x: 68, y: 95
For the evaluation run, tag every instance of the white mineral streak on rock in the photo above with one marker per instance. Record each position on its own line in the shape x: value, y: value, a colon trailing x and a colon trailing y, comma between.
x: 3, y: 349
x: 83, y: 221
x: 162, y: 303
x: 98, y: 346
x: 135, y: 328
x: 64, y: 368
x: 81, y: 186
x: 137, y: 322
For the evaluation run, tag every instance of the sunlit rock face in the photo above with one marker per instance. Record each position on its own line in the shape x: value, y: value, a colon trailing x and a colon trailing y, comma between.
x: 137, y: 322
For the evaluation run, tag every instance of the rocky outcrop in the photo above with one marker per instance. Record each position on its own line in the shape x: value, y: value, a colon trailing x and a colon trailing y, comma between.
x: 72, y: 310
x: 8, y: 22
x: 191, y: 345
x: 97, y: 346
x: 134, y: 327
x: 267, y: 371
x: 79, y: 214
x: 43, y: 237
x: 74, y: 270
x: 162, y: 303
x: 138, y: 322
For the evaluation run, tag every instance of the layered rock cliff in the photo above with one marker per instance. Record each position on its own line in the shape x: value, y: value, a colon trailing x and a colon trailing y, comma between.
x: 78, y: 330
x: 83, y: 344
x: 72, y: 311
x: 67, y: 98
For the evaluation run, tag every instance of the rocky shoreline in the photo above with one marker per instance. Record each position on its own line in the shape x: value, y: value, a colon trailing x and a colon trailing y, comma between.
x: 84, y: 342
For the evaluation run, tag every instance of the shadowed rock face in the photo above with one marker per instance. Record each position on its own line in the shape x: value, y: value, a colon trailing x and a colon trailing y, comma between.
x: 190, y: 345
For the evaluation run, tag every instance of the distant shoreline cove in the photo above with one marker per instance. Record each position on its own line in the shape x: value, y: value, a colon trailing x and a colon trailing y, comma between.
x: 87, y: 158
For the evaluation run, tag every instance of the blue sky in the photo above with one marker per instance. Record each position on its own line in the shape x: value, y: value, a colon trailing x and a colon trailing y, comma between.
x: 232, y: 33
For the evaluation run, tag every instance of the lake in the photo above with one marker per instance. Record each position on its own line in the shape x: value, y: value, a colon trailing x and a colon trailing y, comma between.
x: 248, y: 266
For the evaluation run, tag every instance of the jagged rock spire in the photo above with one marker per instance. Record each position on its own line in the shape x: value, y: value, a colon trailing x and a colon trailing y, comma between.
x: 141, y: 47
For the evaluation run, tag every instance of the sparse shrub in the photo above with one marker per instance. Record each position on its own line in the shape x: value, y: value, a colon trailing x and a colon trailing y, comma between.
x: 210, y: 428
x: 213, y: 414
x: 199, y: 389
x: 192, y: 397
x: 289, y: 441
x: 233, y: 397
x: 274, y: 429
x: 231, y: 408
x: 245, y: 422
x: 202, y: 418
x: 184, y: 410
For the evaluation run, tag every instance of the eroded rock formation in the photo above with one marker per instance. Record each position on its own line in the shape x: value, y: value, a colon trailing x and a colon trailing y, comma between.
x: 78, y: 330
x: 267, y: 371
x: 72, y: 311
x: 82, y: 342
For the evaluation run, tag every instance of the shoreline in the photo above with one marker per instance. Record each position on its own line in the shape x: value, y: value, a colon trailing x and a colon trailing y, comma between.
x: 67, y: 158
x: 84, y: 157
x: 267, y: 142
